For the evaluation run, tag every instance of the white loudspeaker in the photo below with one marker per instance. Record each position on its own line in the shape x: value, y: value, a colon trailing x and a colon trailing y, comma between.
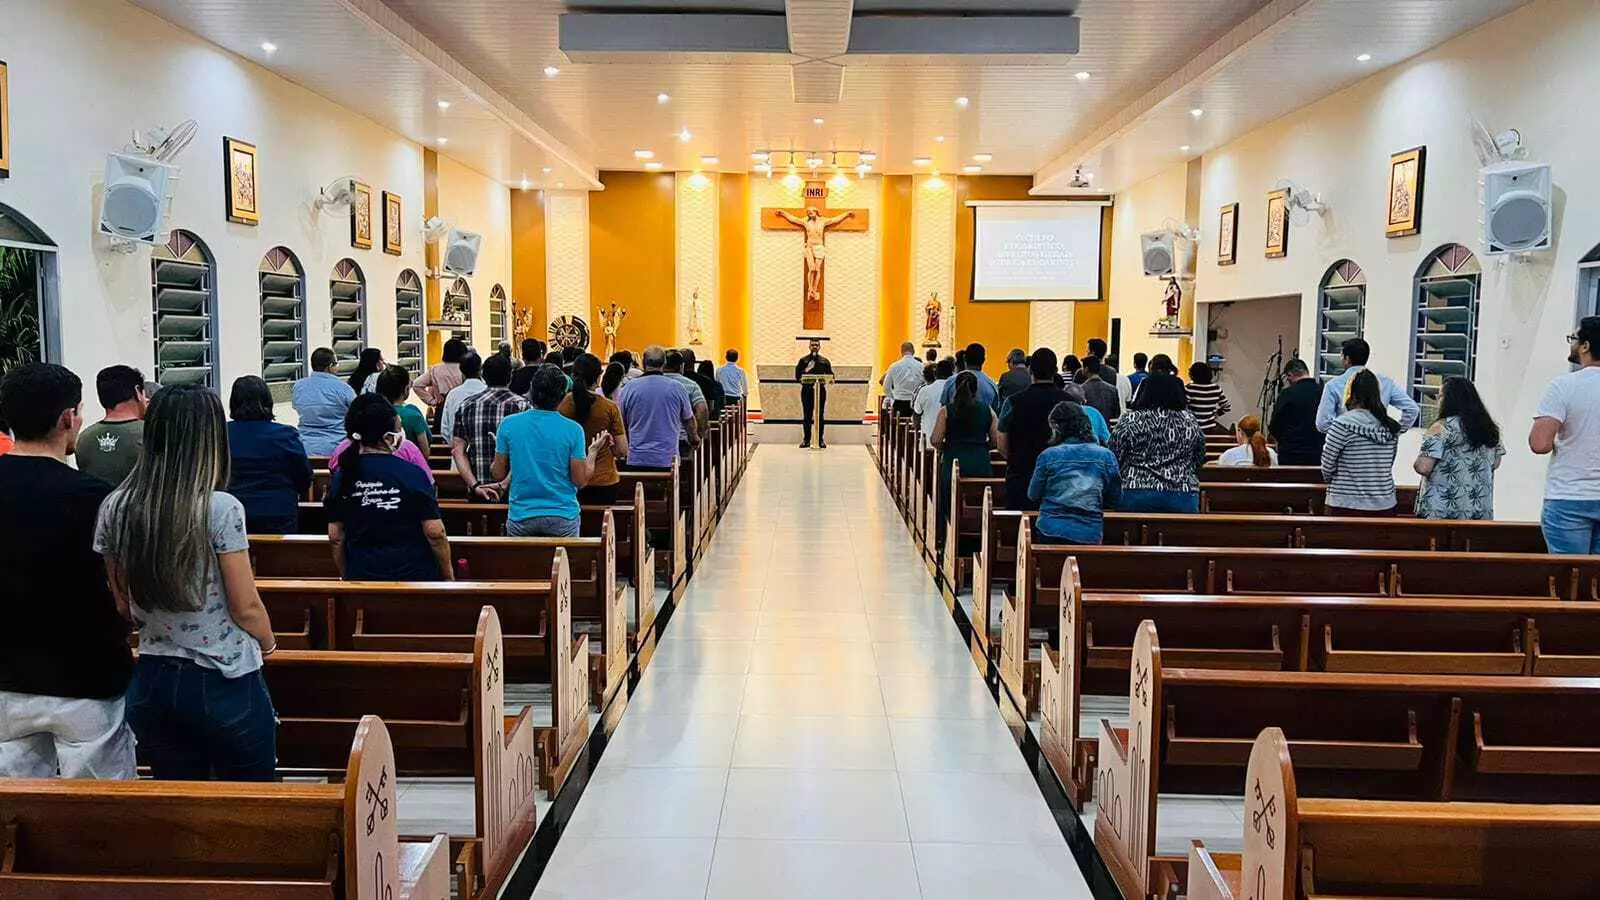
x: 1166, y: 253
x: 461, y: 252
x: 134, y: 206
x: 1516, y: 207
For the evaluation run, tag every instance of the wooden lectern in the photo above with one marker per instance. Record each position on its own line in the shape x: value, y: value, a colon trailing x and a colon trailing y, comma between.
x: 816, y: 384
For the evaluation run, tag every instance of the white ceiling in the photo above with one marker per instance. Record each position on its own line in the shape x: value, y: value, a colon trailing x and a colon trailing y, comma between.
x: 1150, y: 61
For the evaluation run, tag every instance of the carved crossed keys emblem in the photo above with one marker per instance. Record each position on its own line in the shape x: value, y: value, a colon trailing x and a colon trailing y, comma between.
x: 1266, y: 808
x: 492, y: 663
x: 1141, y: 684
x: 377, y: 803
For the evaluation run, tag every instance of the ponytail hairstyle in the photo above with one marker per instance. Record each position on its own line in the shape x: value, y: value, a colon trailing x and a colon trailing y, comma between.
x: 1364, y: 395
x: 612, y: 379
x: 368, y: 423
x: 964, y: 399
x: 585, y: 378
x: 1250, y: 434
x: 161, y: 520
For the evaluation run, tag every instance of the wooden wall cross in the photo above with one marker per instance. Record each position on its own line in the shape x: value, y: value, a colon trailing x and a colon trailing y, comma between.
x: 814, y: 221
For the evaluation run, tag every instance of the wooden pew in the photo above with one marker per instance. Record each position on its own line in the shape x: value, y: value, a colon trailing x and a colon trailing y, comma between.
x: 438, y: 461
x: 665, y: 521
x: 596, y: 596
x: 1215, y: 474
x: 449, y: 715
x: 1394, y: 736
x: 1298, y: 846
x: 1423, y: 636
x: 1282, y: 499
x: 964, y: 527
x: 449, y: 485
x: 171, y: 840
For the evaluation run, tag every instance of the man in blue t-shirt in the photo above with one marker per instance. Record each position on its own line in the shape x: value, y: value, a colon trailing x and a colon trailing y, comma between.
x: 988, y: 391
x: 543, y: 453
x: 655, y: 409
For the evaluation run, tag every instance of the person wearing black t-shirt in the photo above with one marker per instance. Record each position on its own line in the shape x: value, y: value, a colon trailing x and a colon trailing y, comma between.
x: 1294, y: 417
x: 64, y: 657
x: 1025, y: 426
x: 383, y: 518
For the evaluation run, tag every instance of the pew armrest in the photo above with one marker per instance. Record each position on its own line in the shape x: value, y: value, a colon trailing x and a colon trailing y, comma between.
x: 1506, y: 759
x: 425, y: 869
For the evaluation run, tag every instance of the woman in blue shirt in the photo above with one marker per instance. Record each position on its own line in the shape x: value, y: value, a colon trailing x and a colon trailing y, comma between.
x: 383, y: 518
x: 1074, y: 481
x: 270, y: 469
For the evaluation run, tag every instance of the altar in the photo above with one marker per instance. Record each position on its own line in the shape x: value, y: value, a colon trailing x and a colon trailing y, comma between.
x: 780, y: 394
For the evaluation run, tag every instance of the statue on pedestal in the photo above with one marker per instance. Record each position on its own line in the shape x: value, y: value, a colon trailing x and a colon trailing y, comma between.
x: 610, y: 321
x: 696, y: 332
x: 1171, y: 303
x: 932, y: 313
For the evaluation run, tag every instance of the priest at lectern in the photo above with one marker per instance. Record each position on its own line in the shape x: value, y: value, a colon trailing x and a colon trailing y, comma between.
x: 813, y: 395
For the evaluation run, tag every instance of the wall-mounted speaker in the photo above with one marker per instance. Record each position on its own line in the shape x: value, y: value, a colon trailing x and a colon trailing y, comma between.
x: 1166, y: 253
x: 461, y: 252
x: 1516, y: 207
x: 134, y: 206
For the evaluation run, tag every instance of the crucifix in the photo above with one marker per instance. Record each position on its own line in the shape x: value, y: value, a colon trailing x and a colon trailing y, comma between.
x: 815, y: 220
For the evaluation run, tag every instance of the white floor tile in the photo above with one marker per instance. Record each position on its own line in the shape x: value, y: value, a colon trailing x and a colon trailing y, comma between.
x: 641, y: 803
x: 955, y: 745
x: 722, y: 656
x: 963, y: 871
x: 797, y: 657
x: 687, y: 693
x: 918, y: 697
x: 628, y: 869
x: 801, y: 742
x: 805, y: 870
x: 977, y: 808
x: 673, y: 741
x: 781, y: 804
x: 829, y: 694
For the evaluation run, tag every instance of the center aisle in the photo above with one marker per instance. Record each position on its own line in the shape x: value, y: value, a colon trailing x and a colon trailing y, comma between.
x: 811, y: 725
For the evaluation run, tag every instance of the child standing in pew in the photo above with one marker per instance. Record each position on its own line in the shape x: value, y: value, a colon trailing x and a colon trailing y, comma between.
x: 175, y: 550
x: 1074, y: 482
x: 383, y: 517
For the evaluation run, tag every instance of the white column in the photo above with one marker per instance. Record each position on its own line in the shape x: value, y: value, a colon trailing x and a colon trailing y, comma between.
x: 566, y: 242
x: 695, y: 213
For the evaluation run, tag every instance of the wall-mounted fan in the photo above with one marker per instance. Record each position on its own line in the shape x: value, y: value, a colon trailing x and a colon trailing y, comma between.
x: 335, y: 199
x: 138, y: 185
x: 1302, y: 201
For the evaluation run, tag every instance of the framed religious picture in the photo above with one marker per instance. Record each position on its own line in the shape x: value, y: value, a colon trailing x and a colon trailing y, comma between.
x: 1405, y: 192
x: 1278, y: 224
x: 240, y: 181
x: 361, y: 217
x: 5, y: 121
x: 1228, y: 235
x: 391, y: 224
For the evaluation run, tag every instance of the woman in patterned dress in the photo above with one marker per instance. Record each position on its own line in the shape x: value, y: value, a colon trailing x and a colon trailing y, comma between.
x: 1459, y: 456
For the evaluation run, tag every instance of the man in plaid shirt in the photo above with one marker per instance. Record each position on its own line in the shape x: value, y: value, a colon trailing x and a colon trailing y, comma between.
x: 477, y: 420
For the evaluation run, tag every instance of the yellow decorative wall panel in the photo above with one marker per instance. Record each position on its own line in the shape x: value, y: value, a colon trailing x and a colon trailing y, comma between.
x: 696, y: 217
x: 567, y: 255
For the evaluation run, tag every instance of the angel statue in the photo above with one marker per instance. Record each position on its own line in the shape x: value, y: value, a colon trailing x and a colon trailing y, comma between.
x: 524, y: 323
x: 932, y: 311
x: 610, y: 321
x: 696, y: 329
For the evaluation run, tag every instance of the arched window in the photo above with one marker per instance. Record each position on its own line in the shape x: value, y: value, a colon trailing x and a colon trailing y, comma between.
x: 1589, y: 284
x: 455, y: 313
x: 1444, y: 324
x: 183, y: 293
x: 499, y: 313
x: 29, y: 304
x: 283, y: 321
x: 348, y: 292
x: 408, y: 322
x: 1341, y: 315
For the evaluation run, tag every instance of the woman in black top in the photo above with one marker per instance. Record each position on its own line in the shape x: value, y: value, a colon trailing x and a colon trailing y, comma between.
x: 270, y: 471
x: 1025, y: 426
x: 1159, y: 449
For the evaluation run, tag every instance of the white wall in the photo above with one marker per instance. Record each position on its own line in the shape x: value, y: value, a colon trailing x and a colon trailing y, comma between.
x: 471, y: 201
x: 86, y: 72
x: 1135, y: 297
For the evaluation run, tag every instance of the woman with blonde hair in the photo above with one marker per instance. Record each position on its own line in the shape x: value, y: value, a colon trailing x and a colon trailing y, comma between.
x: 1252, y: 449
x: 177, y: 556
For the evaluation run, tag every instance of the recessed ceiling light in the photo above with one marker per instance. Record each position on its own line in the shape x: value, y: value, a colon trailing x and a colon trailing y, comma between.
x: 443, y: 140
x: 685, y: 136
x: 982, y: 157
x: 644, y: 154
x: 1082, y: 76
x: 663, y: 97
x: 444, y: 104
x: 269, y: 47
x: 1184, y: 149
x: 922, y: 161
x: 709, y: 160
x: 652, y: 165
x: 962, y: 102
x: 972, y: 170
x: 814, y: 161
x: 1197, y: 112
x: 868, y: 156
x: 524, y: 184
x: 561, y: 184
x: 551, y: 71
x: 1365, y: 57
x: 938, y: 139
x: 817, y: 121
x: 545, y: 169
x: 760, y: 156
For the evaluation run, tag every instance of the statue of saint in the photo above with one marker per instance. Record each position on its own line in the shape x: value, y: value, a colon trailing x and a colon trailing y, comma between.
x: 610, y: 321
x: 696, y: 329
x: 931, y: 313
x: 816, y: 229
x: 524, y: 323
x: 1172, y: 300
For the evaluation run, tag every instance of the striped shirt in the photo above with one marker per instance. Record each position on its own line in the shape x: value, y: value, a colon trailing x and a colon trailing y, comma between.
x: 1159, y: 450
x: 1206, y: 403
x: 1358, y: 462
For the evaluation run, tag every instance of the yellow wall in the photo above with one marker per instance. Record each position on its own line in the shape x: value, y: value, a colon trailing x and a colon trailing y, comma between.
x: 997, y: 326
x: 733, y: 266
x: 632, y: 255
x: 528, y: 289
x: 894, y: 273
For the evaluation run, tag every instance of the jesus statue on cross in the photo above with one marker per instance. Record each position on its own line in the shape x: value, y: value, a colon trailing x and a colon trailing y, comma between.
x: 816, y: 228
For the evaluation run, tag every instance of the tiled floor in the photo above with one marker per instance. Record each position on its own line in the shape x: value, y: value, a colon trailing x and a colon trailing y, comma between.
x: 811, y: 725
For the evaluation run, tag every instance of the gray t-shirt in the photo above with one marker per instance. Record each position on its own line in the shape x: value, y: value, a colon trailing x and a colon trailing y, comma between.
x: 207, y: 636
x: 109, y: 450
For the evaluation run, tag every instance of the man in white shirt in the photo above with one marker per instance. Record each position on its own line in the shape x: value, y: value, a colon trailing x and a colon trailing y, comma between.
x: 1567, y: 425
x: 903, y: 379
x: 471, y: 386
x: 732, y: 378
x: 927, y: 404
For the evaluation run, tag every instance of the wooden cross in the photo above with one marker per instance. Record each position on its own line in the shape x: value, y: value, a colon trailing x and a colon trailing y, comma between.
x: 814, y: 248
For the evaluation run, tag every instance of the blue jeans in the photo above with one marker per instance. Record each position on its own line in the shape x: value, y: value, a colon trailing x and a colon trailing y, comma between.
x: 194, y: 723
x: 1571, y: 526
x: 1158, y: 502
x: 543, y: 526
